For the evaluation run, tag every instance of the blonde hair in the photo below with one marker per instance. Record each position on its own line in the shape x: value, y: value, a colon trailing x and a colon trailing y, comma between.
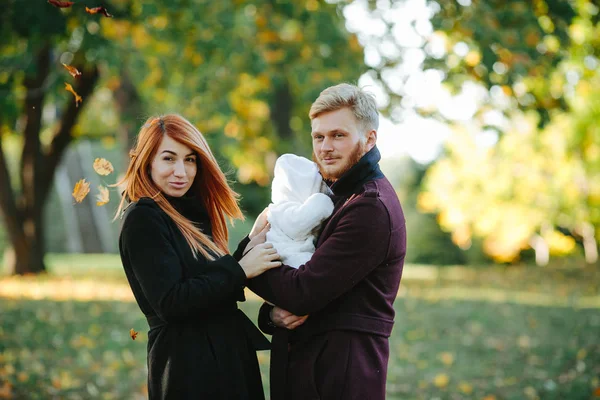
x: 361, y: 103
x: 210, y: 184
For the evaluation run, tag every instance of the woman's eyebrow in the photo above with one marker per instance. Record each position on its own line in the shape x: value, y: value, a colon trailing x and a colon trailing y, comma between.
x: 174, y: 153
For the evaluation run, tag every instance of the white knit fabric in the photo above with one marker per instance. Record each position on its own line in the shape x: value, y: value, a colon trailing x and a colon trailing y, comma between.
x: 298, y: 209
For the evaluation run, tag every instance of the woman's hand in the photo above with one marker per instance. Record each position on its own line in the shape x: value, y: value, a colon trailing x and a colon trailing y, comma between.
x: 260, y: 224
x: 260, y: 259
x: 285, y: 319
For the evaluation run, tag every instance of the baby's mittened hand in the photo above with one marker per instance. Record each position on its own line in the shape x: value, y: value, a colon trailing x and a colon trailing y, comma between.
x: 260, y: 238
x: 260, y: 223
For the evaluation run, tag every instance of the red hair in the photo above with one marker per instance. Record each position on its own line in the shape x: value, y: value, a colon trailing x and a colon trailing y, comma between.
x: 210, y: 184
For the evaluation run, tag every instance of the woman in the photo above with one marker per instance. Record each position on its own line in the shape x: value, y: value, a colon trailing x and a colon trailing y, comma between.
x: 173, y: 246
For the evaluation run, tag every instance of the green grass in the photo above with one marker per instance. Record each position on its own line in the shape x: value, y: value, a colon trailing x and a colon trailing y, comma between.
x: 449, y: 340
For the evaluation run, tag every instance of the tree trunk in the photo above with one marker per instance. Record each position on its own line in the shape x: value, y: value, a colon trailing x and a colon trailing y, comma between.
x: 28, y: 242
x: 281, y: 110
x: 26, y: 256
x: 590, y: 247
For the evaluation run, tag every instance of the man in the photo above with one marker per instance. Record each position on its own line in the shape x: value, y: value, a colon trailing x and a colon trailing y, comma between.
x: 341, y: 350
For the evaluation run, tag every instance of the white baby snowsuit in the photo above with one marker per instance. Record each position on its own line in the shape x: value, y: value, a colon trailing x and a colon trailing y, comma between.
x: 298, y: 209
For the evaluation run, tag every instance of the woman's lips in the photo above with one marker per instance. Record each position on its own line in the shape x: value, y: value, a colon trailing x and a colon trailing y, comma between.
x: 178, y: 185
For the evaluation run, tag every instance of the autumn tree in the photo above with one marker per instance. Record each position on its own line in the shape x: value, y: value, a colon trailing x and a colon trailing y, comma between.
x: 534, y: 183
x: 35, y: 41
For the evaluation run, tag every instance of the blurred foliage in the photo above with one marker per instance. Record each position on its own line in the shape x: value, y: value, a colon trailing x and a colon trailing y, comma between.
x: 515, y: 45
x: 426, y: 242
x: 245, y: 72
x: 527, y: 178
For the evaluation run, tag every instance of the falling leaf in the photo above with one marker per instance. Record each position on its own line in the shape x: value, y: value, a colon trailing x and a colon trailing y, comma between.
x: 441, y: 380
x: 72, y: 70
x: 96, y: 10
x: 597, y: 392
x: 82, y: 188
x: 61, y: 4
x: 102, y: 166
x: 102, y: 197
x: 133, y: 333
x: 489, y: 397
x: 69, y: 88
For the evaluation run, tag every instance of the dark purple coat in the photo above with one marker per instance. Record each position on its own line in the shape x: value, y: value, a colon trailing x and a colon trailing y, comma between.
x: 348, y: 289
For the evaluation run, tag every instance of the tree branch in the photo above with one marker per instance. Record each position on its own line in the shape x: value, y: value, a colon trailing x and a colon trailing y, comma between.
x: 34, y: 101
x: 63, y: 136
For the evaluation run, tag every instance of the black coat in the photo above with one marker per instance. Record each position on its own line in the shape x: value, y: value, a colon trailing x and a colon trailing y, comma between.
x: 200, y: 345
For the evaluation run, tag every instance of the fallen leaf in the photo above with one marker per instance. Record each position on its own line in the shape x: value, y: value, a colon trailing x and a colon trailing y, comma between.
x: 81, y: 189
x: 103, y: 197
x: 61, y: 4
x: 447, y: 358
x: 102, y: 166
x: 98, y: 10
x: 78, y: 98
x: 72, y: 70
x: 465, y: 387
x: 441, y: 380
x: 6, y: 391
x: 133, y: 333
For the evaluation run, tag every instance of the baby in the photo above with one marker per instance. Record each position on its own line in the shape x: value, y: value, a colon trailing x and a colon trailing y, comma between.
x: 298, y: 209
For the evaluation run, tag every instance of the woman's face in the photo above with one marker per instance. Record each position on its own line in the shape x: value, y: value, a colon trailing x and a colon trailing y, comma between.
x: 174, y: 167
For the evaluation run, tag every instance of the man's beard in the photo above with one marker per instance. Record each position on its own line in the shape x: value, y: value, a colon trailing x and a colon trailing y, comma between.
x: 357, y: 153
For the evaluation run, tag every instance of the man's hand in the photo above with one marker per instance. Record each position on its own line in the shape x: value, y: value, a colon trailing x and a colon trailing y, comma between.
x: 285, y: 319
x: 260, y: 224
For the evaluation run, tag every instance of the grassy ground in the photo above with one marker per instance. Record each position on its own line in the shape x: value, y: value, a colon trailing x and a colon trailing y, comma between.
x: 493, y: 333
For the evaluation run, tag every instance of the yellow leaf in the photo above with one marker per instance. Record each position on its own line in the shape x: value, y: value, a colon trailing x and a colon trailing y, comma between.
x: 102, y: 166
x: 465, y: 387
x: 133, y: 333
x: 72, y: 70
x: 489, y: 397
x: 441, y: 380
x: 78, y: 98
x: 81, y: 189
x: 103, y: 197
x: 447, y: 358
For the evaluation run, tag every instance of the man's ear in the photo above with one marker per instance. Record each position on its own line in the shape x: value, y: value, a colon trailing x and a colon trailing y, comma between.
x: 371, y: 139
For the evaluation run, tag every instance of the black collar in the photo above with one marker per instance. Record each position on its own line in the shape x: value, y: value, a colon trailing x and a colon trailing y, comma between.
x: 366, y: 169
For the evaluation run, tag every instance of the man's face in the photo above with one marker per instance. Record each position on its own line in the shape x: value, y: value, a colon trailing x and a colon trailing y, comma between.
x: 339, y: 142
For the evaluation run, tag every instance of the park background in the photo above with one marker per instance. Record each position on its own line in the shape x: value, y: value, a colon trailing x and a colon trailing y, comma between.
x: 489, y: 133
